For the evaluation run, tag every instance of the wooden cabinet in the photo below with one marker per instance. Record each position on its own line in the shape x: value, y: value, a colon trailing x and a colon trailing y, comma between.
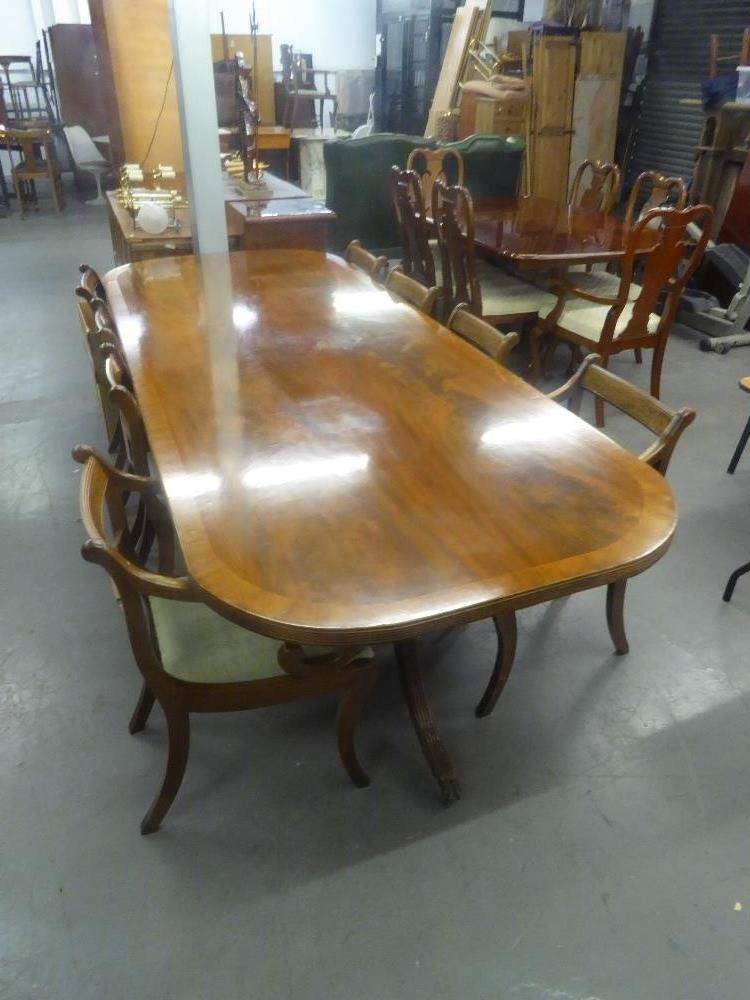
x: 554, y: 61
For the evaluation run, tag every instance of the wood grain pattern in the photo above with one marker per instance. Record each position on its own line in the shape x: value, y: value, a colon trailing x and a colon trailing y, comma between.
x: 542, y: 232
x: 341, y: 468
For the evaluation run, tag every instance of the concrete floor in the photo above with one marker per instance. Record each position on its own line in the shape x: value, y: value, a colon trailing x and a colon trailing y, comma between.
x: 600, y: 850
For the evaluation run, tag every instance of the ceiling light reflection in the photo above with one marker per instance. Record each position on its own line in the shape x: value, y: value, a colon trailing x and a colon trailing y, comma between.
x: 130, y: 329
x: 243, y: 317
x: 189, y: 485
x: 296, y: 471
x: 364, y: 303
x: 514, y: 432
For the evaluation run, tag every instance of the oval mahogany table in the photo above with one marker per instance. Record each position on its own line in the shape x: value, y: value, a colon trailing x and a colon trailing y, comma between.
x: 343, y: 470
x: 539, y: 232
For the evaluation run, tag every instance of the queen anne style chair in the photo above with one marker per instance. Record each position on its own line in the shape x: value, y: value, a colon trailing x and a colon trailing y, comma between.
x: 190, y: 658
x: 668, y: 426
x: 375, y: 267
x: 486, y: 291
x: 298, y: 81
x: 627, y: 319
x: 430, y: 165
x: 596, y: 186
x: 417, y: 254
x: 490, y: 341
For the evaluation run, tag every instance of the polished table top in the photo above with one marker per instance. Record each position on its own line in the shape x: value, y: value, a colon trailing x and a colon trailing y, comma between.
x: 340, y: 467
x: 539, y: 232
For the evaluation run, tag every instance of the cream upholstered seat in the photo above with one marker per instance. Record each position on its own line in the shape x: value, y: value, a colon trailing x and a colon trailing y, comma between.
x: 587, y: 320
x: 198, y: 645
x: 505, y: 295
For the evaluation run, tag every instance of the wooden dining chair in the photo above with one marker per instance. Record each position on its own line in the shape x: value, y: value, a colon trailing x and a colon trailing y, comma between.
x: 653, y: 190
x: 478, y: 332
x: 609, y: 324
x: 37, y: 161
x: 407, y: 289
x: 193, y: 660
x: 430, y: 165
x: 375, y: 267
x: 668, y: 426
x: 98, y: 332
x: 596, y: 186
x: 417, y: 256
x: 487, y: 291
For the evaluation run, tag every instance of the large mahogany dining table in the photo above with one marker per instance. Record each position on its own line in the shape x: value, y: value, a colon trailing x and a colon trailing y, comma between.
x: 342, y: 469
x: 539, y: 232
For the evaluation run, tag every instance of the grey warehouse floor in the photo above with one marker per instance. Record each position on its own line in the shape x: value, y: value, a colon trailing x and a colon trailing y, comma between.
x: 603, y: 840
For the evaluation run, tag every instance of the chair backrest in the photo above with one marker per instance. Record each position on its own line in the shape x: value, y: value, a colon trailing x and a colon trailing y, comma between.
x: 90, y: 285
x: 408, y: 290
x: 416, y: 256
x: 665, y: 270
x: 661, y: 190
x: 430, y: 165
x: 490, y: 341
x: 596, y: 186
x: 667, y: 424
x: 131, y: 420
x: 668, y: 267
x: 453, y: 216
x: 82, y: 147
x: 104, y: 492
x: 25, y: 141
x: 375, y: 267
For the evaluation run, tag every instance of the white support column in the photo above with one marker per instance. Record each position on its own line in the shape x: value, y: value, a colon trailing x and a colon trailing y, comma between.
x: 191, y: 45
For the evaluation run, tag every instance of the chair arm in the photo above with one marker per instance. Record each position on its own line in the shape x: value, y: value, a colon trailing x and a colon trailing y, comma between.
x: 658, y: 454
x: 566, y: 390
x: 138, y: 484
x: 566, y: 287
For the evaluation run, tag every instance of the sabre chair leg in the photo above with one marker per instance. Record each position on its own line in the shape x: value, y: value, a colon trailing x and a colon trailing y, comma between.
x: 142, y: 710
x: 178, y: 726
x: 732, y: 581
x: 740, y: 448
x: 616, y: 616
x: 507, y: 635
x: 424, y: 724
x: 347, y: 718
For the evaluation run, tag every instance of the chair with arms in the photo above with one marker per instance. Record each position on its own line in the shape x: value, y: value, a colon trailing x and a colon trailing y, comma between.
x: 668, y: 426
x: 190, y: 658
x: 490, y: 341
x: 375, y: 267
x: 604, y: 183
x: 430, y: 165
x: 298, y: 81
x: 487, y: 291
x: 664, y: 192
x: 626, y: 320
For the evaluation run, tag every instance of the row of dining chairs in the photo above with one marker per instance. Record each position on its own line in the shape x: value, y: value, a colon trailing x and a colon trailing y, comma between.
x: 593, y: 311
x: 666, y: 424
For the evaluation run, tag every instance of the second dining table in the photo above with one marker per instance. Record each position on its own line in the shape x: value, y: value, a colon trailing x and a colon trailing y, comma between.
x: 343, y: 470
x: 538, y: 232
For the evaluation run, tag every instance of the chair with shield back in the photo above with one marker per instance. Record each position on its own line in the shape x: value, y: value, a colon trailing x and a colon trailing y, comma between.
x: 596, y: 186
x: 487, y: 291
x: 191, y: 659
x: 636, y: 315
x: 431, y: 165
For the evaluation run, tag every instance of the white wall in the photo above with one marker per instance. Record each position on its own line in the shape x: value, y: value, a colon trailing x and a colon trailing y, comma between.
x: 339, y: 33
x: 22, y: 21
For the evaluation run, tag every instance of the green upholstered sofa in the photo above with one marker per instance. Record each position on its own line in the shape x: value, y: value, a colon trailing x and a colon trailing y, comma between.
x: 358, y: 179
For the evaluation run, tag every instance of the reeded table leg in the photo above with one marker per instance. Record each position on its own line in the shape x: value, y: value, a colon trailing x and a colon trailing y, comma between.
x: 421, y: 716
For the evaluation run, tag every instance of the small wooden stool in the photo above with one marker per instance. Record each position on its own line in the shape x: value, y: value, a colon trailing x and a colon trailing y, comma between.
x: 745, y: 386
